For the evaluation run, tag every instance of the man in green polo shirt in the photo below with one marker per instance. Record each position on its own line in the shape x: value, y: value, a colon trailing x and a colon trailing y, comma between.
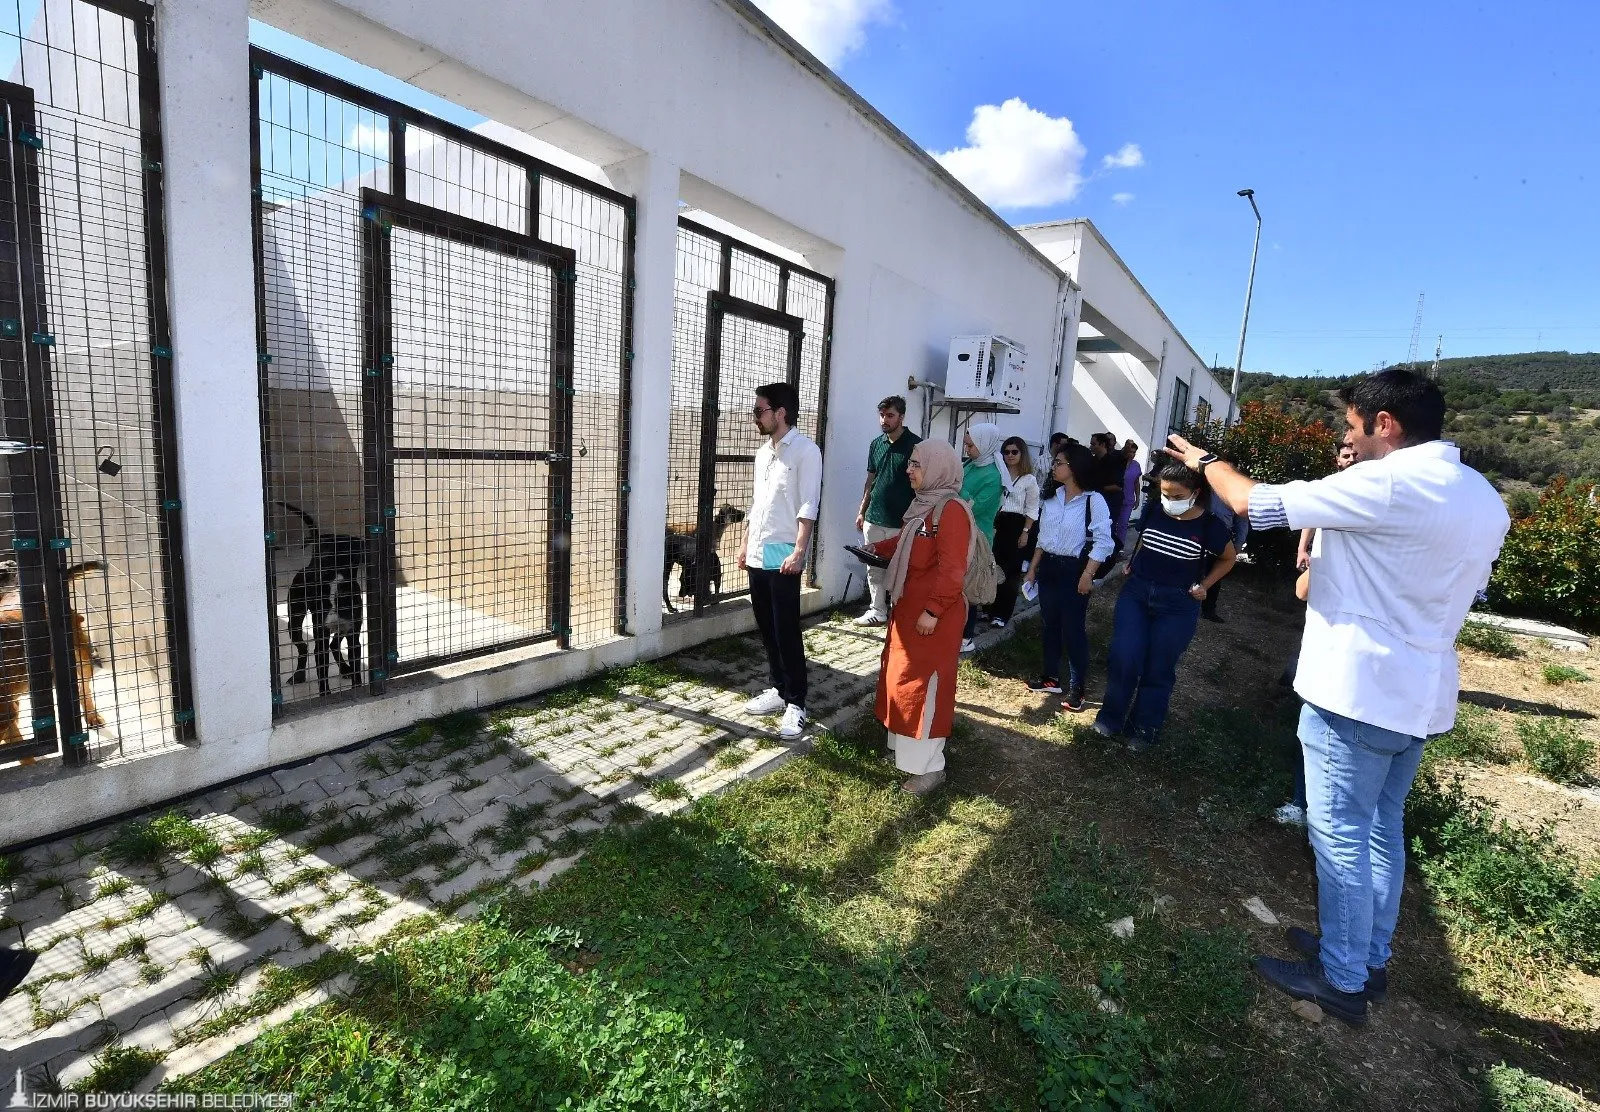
x: 888, y: 493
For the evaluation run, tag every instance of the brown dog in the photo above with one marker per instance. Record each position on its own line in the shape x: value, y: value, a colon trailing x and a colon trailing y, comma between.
x: 13, y: 659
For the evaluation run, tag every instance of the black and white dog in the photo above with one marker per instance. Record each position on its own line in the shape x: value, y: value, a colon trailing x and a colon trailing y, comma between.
x: 683, y: 552
x: 328, y: 590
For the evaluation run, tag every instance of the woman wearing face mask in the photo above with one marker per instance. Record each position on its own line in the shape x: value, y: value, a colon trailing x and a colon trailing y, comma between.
x: 983, y: 485
x: 1183, y: 551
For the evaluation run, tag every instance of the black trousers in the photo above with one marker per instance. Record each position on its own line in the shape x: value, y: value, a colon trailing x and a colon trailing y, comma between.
x: 1209, y: 606
x: 1010, y: 556
x: 776, y: 598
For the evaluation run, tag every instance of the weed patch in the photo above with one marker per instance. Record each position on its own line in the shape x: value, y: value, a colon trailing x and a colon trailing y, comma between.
x: 1474, y: 738
x: 1508, y: 1089
x: 1557, y: 674
x: 1555, y: 749
x: 1489, y: 639
x: 118, y: 1069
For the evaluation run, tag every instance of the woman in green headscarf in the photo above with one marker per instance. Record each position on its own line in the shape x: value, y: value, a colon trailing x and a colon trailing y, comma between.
x: 983, y: 483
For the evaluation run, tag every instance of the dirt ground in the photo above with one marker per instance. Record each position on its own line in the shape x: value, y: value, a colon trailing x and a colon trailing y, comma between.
x: 1443, y: 1024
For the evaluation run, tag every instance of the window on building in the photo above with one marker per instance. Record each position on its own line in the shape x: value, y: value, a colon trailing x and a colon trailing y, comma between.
x: 1180, y: 405
x: 1202, y: 412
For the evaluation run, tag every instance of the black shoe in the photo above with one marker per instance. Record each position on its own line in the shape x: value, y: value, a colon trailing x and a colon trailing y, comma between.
x: 1304, y: 980
x: 14, y: 967
x: 1212, y: 617
x: 1046, y: 685
x: 1310, y: 945
x: 1073, y: 700
x: 1141, y: 742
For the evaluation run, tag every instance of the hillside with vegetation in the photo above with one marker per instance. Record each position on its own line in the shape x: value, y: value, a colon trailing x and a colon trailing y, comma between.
x: 1522, y: 419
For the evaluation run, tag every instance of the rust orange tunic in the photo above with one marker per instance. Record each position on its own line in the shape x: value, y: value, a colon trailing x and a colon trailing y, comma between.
x: 933, y: 583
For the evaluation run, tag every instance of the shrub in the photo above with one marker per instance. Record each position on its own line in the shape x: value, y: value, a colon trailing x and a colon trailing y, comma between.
x: 1486, y: 638
x: 1508, y: 1089
x: 1473, y: 738
x: 1556, y: 674
x: 1555, y: 749
x: 1547, y: 567
x: 1271, y: 445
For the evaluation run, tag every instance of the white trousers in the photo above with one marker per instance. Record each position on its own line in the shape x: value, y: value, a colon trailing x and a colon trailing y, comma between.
x: 872, y: 534
x: 920, y: 755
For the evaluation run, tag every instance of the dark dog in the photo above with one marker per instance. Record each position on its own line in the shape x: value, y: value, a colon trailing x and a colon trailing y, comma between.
x: 328, y: 590
x: 13, y: 660
x: 683, y: 551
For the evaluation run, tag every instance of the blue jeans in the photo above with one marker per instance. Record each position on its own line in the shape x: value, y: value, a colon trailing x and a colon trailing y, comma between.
x: 1151, y: 628
x: 1064, y: 614
x: 1357, y: 779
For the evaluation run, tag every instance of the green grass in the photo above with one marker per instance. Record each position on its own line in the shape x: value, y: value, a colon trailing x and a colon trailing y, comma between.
x: 1489, y: 639
x: 1486, y: 875
x: 1474, y: 738
x: 1557, y: 674
x: 1555, y: 749
x: 117, y: 1069
x: 1508, y: 1089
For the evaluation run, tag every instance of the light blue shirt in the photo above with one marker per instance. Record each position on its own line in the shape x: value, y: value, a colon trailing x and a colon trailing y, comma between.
x: 1061, y: 524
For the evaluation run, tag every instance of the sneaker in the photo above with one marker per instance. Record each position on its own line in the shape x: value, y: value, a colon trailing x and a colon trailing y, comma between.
x: 1309, y: 945
x: 968, y: 645
x: 1073, y: 700
x: 922, y: 785
x: 768, y: 702
x: 794, y: 723
x: 1047, y: 685
x: 1305, y: 980
x: 998, y: 623
x: 871, y: 618
x: 1102, y: 729
x: 14, y: 968
x: 1290, y: 814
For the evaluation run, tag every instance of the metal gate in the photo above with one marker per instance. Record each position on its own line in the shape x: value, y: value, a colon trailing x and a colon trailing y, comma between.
x: 470, y: 330
x: 743, y: 319
x: 445, y: 328
x: 93, y: 660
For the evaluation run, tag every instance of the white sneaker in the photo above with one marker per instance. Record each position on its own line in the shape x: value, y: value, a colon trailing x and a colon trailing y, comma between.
x: 794, y: 723
x: 768, y: 702
x: 969, y: 645
x: 1290, y: 814
x: 870, y: 618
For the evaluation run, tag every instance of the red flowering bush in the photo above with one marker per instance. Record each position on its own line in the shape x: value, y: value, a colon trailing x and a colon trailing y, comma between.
x: 1550, y: 565
x: 1270, y: 444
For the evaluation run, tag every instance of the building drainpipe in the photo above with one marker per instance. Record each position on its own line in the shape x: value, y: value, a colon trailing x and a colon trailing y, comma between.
x: 1068, y: 302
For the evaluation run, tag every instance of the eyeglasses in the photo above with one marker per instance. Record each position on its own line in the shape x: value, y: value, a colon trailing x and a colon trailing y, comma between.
x: 913, y: 463
x: 1060, y: 463
x: 760, y: 411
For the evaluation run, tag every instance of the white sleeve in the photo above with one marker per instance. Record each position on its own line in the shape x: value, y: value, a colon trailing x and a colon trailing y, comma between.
x: 1100, y: 528
x: 808, y: 473
x: 1030, y: 497
x: 1358, y: 498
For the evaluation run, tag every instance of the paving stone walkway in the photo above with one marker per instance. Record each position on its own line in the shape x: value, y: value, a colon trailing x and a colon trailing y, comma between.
x: 185, y: 931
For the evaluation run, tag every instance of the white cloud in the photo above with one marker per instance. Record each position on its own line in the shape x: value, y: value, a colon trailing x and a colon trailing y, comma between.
x: 1125, y: 159
x: 1018, y: 157
x: 830, y: 29
x: 1122, y: 198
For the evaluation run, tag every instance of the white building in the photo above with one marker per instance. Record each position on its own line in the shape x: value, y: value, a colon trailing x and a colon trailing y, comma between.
x: 1133, y: 373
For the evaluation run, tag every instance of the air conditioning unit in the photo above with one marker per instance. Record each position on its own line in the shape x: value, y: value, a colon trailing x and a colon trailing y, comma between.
x: 985, y: 370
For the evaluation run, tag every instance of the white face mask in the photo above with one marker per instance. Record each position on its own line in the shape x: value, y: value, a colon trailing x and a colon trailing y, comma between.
x: 1177, y: 507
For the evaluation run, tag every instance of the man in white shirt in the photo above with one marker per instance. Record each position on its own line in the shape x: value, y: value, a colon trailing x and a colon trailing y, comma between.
x: 1406, y: 538
x: 783, y: 513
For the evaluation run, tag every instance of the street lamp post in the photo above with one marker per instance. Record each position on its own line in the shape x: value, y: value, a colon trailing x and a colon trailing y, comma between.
x: 1238, y: 360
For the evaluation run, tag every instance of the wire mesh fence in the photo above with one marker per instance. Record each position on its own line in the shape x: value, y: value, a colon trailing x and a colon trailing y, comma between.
x: 444, y: 324
x: 93, y: 654
x: 742, y: 319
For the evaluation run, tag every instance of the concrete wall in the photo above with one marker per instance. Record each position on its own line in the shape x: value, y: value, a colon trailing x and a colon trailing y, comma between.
x: 701, y: 101
x: 1128, y: 391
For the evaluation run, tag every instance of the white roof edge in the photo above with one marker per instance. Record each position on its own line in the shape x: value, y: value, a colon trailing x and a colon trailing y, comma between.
x: 746, y: 10
x: 1085, y: 222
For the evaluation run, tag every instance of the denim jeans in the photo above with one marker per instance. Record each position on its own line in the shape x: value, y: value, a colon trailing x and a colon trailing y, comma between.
x: 1357, y: 779
x: 1151, y: 628
x: 1063, y: 614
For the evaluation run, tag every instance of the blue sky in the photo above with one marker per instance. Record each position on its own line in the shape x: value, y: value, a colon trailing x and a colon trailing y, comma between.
x: 1395, y: 148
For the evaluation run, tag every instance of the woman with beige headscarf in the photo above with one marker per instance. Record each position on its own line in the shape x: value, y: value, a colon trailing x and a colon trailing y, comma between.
x: 927, y: 568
